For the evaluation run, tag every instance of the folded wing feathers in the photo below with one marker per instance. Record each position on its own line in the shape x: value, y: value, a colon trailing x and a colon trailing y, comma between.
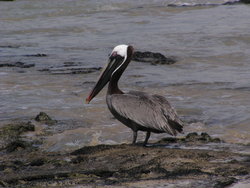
x: 151, y: 111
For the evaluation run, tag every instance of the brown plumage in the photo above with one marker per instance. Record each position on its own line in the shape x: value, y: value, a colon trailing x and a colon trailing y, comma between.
x: 137, y: 110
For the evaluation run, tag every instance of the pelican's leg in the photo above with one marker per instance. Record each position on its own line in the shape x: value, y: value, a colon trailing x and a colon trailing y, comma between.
x: 146, y: 139
x: 134, y: 137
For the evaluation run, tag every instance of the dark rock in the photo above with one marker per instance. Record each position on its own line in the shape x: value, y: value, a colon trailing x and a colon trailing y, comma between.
x: 37, y: 162
x: 224, y: 182
x: 202, y: 137
x: 123, y: 165
x: 36, y: 55
x: 237, y: 2
x: 9, y: 46
x: 17, y: 162
x: 44, y: 70
x: 44, y: 118
x: 231, y: 3
x: 2, y: 183
x: 2, y: 167
x: 71, y: 63
x: 168, y: 140
x: 195, y: 137
x: 91, y: 149
x: 78, y: 159
x: 18, y: 128
x: 245, y: 1
x: 16, y: 145
x: 191, y: 137
x: 10, y: 135
x: 71, y: 70
x: 17, y: 64
x: 153, y: 58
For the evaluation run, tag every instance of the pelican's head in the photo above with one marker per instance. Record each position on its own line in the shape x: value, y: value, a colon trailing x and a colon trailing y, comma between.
x: 120, y: 50
x: 117, y: 57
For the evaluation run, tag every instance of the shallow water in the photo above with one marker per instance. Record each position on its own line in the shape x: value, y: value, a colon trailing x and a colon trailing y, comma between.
x: 209, y: 84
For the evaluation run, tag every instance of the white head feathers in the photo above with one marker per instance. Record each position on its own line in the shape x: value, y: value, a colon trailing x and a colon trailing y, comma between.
x: 121, y: 50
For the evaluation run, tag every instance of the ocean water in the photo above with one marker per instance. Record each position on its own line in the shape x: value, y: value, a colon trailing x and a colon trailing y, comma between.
x: 209, y: 85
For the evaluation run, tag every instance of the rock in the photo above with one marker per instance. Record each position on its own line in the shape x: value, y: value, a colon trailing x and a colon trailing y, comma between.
x: 67, y: 69
x: 236, y: 2
x: 15, y: 129
x: 9, y: 46
x: 17, y: 64
x: 10, y: 135
x: 37, y: 162
x: 71, y: 68
x: 125, y: 165
x: 191, y: 137
x: 245, y: 1
x: 36, y: 55
x: 122, y: 165
x: 153, y: 58
x: 224, y: 182
x: 71, y: 63
x: 44, y: 118
x: 17, y: 145
x: 2, y: 183
x: 18, y: 128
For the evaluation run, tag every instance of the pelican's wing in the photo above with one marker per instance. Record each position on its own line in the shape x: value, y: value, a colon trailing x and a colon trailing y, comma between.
x: 173, y: 119
x: 150, y: 111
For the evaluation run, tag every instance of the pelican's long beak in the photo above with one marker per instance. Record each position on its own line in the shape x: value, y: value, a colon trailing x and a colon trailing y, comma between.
x: 104, y: 77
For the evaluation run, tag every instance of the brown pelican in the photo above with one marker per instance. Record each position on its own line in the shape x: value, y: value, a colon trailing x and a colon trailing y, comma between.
x: 137, y: 110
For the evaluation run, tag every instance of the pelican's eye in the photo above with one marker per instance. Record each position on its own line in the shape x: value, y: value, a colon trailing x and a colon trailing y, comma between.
x: 113, y: 54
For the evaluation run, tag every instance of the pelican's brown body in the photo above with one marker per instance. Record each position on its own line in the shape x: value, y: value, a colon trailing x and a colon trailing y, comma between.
x: 137, y: 110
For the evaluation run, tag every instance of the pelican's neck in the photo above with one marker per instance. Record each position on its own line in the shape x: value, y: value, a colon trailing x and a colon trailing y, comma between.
x: 113, y: 83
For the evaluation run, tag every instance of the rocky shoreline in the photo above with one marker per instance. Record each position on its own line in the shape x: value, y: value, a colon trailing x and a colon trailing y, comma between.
x: 24, y: 164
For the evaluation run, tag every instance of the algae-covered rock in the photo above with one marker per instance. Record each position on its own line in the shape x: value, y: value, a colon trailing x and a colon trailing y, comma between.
x: 36, y: 55
x: 119, y: 165
x: 202, y: 137
x: 45, y: 118
x: 10, y: 135
x: 190, y: 137
x: 127, y: 166
x: 37, y: 162
x: 153, y: 58
x: 17, y: 128
x: 71, y: 68
x: 16, y: 64
x: 16, y: 145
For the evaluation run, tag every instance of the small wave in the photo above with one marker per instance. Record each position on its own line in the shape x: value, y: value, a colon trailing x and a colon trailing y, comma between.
x: 112, y: 5
x: 105, y: 7
x: 201, y: 3
x: 243, y: 88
